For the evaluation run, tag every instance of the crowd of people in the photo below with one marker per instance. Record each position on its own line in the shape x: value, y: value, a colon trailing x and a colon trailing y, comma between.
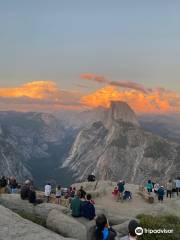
x: 9, y: 185
x: 82, y: 204
x: 171, y: 188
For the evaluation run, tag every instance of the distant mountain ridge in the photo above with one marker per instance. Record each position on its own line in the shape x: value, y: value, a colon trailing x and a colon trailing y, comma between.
x: 109, y: 141
x: 117, y: 147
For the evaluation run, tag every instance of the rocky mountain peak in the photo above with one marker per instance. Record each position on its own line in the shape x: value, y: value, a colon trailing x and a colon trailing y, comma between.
x: 120, y: 110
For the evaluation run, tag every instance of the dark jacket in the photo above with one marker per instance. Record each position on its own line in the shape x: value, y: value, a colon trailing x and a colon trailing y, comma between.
x: 161, y: 191
x: 32, y: 196
x: 88, y: 210
x: 121, y: 187
x: 3, y: 182
x: 24, y: 192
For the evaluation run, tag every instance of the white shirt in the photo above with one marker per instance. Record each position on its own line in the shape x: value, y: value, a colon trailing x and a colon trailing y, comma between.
x: 47, y: 190
x: 177, y: 183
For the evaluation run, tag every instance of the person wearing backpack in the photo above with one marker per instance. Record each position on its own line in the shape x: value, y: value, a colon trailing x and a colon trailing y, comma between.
x: 103, y: 230
x: 121, y: 188
x: 161, y: 193
x: 88, y: 209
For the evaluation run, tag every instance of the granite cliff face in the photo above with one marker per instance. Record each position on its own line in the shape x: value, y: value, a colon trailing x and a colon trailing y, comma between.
x: 117, y: 147
x: 32, y: 145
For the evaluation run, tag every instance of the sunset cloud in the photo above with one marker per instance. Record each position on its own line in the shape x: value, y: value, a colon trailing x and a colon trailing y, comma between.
x: 38, y: 95
x: 129, y: 84
x: 94, y: 77
x: 155, y: 101
x: 121, y: 83
x: 47, y: 96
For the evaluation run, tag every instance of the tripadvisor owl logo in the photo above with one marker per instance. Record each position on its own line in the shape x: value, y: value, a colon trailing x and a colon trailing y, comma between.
x: 139, y: 231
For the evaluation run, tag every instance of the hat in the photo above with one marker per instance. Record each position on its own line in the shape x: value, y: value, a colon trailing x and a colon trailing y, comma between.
x: 27, y: 182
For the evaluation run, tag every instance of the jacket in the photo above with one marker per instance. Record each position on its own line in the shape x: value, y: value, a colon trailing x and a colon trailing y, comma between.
x: 88, y: 210
x: 76, y: 206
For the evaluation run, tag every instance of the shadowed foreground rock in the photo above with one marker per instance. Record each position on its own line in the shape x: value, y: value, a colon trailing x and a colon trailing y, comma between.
x: 66, y: 225
x: 58, y: 218
x: 13, y: 227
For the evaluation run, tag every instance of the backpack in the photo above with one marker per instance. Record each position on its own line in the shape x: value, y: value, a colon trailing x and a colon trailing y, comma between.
x: 109, y: 234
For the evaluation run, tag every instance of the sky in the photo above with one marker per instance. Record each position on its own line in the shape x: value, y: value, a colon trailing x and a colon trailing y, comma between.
x: 77, y: 54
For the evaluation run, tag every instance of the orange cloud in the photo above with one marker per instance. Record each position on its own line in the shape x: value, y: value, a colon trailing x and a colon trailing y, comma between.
x: 47, y: 96
x: 35, y: 90
x: 38, y: 95
x: 155, y: 101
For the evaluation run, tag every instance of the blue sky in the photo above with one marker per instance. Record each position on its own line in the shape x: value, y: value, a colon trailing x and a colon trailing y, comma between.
x: 60, y: 39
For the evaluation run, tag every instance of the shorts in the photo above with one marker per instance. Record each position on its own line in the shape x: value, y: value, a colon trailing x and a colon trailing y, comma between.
x: 58, y: 196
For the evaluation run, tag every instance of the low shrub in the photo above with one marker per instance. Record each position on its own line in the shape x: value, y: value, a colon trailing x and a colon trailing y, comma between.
x: 33, y: 218
x: 160, y: 222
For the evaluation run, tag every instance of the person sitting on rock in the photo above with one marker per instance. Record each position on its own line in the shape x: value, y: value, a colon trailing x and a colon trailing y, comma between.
x: 88, y: 209
x: 32, y: 196
x: 76, y: 205
x: 133, y: 224
x: 83, y: 193
x: 127, y: 195
x: 103, y: 230
x: 24, y: 192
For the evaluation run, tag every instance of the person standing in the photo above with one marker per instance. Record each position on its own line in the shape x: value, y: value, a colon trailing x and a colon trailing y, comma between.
x: 58, y: 194
x: 47, y: 191
x: 149, y: 186
x: 156, y: 187
x: 177, y: 181
x: 121, y: 188
x: 169, y: 187
x: 161, y: 194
